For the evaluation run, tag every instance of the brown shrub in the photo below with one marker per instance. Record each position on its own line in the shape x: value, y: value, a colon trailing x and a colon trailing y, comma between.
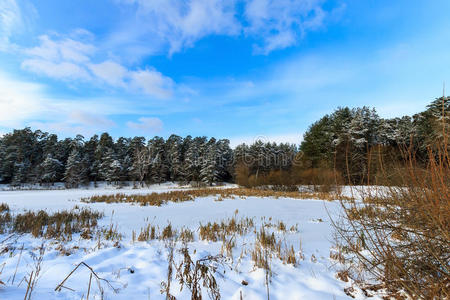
x: 400, y: 235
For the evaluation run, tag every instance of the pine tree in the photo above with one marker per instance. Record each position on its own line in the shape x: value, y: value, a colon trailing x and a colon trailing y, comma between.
x: 192, y: 161
x: 111, y: 168
x: 174, y: 157
x: 439, y: 111
x: 158, y: 164
x: 90, y: 157
x: 75, y: 173
x: 105, y: 145
x: 318, y: 142
x: 209, y: 172
x: 115, y: 171
x: 50, y: 169
x: 225, y: 159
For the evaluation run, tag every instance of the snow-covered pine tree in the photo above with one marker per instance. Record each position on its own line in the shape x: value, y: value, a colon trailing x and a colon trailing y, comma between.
x: 123, y: 154
x: 75, y: 173
x: 209, y: 172
x: 363, y: 128
x: 225, y: 159
x: 110, y: 167
x: 115, y: 172
x: 174, y: 157
x: 50, y: 169
x: 259, y: 158
x: 105, y: 144
x: 90, y: 157
x: 20, y: 172
x: 439, y: 111
x: 192, y: 160
x: 158, y: 164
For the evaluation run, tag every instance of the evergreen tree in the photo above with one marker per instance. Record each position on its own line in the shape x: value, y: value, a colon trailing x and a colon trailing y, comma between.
x: 75, y: 173
x: 111, y: 168
x: 192, y: 161
x: 104, y: 148
x: 50, y: 170
x: 158, y: 164
x: 225, y: 159
x: 209, y: 172
x: 317, y: 144
x: 174, y: 157
x: 92, y: 163
x: 439, y: 112
x: 124, y: 156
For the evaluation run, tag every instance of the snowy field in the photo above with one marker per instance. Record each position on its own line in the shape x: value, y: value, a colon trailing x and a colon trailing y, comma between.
x: 136, y: 269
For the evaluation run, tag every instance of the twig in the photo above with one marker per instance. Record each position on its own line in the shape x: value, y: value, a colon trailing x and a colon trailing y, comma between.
x: 18, y: 262
x: 58, y: 287
x: 29, y: 285
x: 89, y: 287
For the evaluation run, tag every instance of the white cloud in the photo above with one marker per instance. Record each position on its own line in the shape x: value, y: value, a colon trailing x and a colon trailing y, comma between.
x: 68, y: 59
x: 18, y: 101
x: 15, y: 18
x: 281, y: 23
x: 152, y: 82
x: 110, y: 72
x: 150, y: 125
x: 174, y: 25
x: 179, y: 24
x: 23, y: 104
x: 10, y: 19
x: 77, y: 122
x: 89, y: 119
x: 62, y: 70
x: 59, y: 58
x: 64, y: 49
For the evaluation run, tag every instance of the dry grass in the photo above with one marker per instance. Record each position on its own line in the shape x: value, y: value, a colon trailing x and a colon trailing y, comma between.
x: 219, y: 231
x: 146, y: 234
x: 158, y: 199
x: 399, y: 238
x: 5, y: 218
x: 4, y: 207
x: 60, y: 225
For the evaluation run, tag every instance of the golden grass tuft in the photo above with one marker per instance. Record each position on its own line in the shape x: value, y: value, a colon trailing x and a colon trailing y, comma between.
x: 158, y: 199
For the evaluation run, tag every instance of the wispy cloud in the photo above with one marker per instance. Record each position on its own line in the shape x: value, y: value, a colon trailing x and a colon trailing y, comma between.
x: 15, y: 16
x: 175, y: 25
x: 62, y: 70
x: 282, y: 23
x: 147, y: 125
x: 110, y: 72
x: 10, y: 19
x: 64, y: 58
x: 23, y: 104
x: 19, y: 101
x: 151, y: 82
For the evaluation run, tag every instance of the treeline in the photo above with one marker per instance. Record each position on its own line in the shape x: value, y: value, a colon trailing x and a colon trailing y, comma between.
x: 347, y: 146
x: 363, y: 148
x: 39, y: 157
x: 28, y: 156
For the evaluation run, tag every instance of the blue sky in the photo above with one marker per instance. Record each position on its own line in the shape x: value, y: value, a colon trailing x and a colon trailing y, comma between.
x: 237, y: 69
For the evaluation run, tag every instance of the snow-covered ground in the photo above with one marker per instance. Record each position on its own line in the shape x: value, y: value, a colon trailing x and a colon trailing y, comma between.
x: 138, y: 268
